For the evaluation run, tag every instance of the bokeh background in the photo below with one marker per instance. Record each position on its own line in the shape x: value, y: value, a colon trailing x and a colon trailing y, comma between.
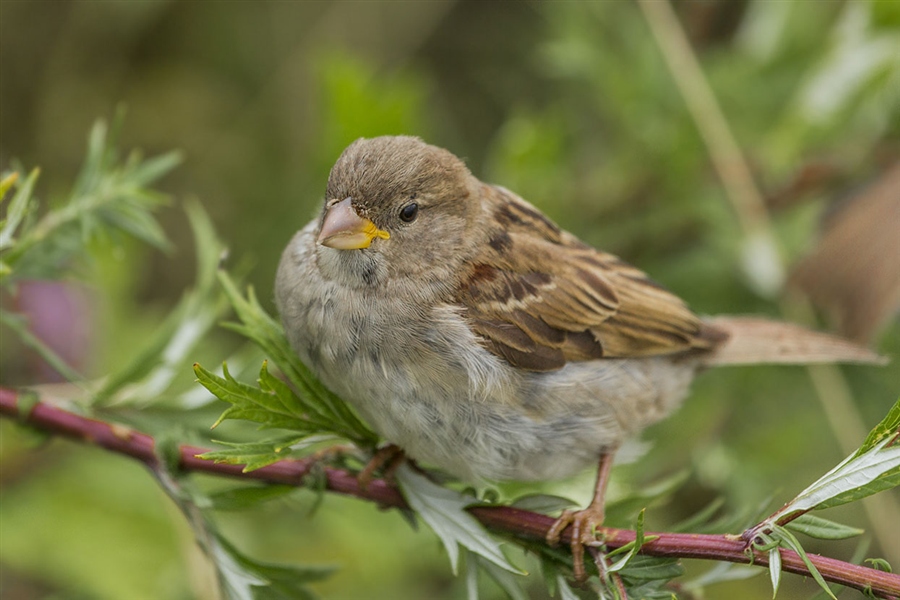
x: 572, y: 105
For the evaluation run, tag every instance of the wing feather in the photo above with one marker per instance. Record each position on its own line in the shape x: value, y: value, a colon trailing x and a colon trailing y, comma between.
x: 539, y: 297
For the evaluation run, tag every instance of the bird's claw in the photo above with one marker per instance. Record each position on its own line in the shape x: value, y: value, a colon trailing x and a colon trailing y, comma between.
x: 387, y: 458
x: 584, y: 527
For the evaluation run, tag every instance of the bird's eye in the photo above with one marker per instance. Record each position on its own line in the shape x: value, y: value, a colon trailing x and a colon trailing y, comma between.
x: 409, y: 212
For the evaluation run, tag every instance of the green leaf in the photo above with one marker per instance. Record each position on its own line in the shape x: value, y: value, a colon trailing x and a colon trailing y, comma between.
x: 445, y: 512
x: 822, y: 529
x: 565, y: 592
x: 319, y: 404
x: 108, y: 199
x: 632, y: 548
x: 509, y: 583
x: 261, y: 453
x: 471, y: 577
x: 153, y: 367
x: 253, y: 404
x: 286, y: 397
x: 888, y: 428
x: 239, y: 577
x: 243, y: 578
x: 155, y: 168
x: 775, y: 569
x: 786, y: 539
x: 249, y: 497
x: 873, y: 468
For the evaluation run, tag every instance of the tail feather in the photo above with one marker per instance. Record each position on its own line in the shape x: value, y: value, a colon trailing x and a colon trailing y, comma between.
x: 753, y: 340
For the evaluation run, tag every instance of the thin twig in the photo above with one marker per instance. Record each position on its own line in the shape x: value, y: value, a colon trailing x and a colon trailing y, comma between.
x: 520, y: 523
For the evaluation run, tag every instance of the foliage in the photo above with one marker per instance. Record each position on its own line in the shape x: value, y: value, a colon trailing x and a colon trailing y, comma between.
x: 569, y: 104
x: 109, y: 199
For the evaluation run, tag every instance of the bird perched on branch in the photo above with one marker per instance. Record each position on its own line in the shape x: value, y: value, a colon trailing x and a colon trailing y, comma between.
x: 471, y: 331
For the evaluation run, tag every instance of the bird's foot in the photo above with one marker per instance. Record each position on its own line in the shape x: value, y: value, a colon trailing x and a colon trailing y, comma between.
x: 387, y: 459
x: 584, y: 533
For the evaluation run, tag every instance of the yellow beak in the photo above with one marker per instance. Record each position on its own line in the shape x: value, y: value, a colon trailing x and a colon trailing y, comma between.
x: 343, y: 229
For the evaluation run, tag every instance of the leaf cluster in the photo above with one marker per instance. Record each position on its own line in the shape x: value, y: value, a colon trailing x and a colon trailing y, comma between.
x: 302, y: 405
x: 874, y: 467
x: 111, y: 199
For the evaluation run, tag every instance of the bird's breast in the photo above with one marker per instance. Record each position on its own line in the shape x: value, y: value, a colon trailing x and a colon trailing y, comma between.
x: 419, y: 376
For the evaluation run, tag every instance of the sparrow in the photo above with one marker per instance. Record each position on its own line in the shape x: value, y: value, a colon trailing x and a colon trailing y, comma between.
x: 474, y: 333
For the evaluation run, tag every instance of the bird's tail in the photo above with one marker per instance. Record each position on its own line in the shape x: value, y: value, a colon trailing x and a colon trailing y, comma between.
x: 753, y: 340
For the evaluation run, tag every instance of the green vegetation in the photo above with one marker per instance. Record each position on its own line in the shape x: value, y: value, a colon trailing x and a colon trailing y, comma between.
x: 570, y: 104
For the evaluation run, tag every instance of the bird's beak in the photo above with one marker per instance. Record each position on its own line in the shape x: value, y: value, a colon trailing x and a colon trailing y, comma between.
x: 343, y: 229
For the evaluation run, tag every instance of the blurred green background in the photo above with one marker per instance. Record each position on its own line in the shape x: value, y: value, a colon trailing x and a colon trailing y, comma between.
x: 570, y: 104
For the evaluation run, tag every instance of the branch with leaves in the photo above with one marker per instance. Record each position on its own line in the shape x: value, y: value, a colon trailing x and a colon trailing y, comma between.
x: 874, y: 467
x: 112, y: 199
x: 764, y: 545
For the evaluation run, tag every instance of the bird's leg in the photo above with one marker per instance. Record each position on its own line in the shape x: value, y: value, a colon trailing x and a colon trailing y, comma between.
x: 585, y: 521
x: 389, y: 457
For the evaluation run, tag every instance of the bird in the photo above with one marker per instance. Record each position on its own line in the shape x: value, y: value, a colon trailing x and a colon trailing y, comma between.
x: 475, y: 334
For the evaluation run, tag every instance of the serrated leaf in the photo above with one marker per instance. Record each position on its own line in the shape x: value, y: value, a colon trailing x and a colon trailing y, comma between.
x: 246, y: 579
x: 253, y: 404
x: 509, y: 583
x: 822, y: 529
x: 318, y: 402
x: 444, y: 510
x: 266, y: 419
x: 284, y: 394
x: 255, y: 455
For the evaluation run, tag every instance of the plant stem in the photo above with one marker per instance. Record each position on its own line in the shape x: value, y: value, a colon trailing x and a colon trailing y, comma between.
x: 521, y: 523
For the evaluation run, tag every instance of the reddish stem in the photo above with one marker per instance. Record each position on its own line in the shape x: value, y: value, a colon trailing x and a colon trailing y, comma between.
x: 526, y: 524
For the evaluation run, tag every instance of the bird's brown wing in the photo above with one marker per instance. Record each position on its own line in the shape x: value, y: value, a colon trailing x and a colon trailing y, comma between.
x: 540, y: 298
